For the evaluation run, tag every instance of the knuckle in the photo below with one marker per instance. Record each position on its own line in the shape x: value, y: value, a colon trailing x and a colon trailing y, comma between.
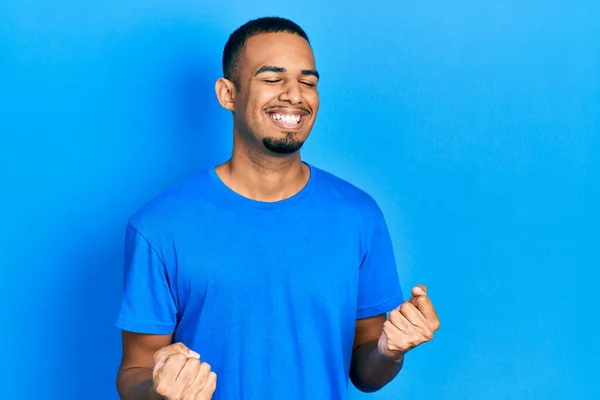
x: 193, y: 369
x: 205, y: 368
x: 180, y: 346
x: 161, y: 389
x: 193, y: 362
x: 212, y: 377
x: 405, y: 307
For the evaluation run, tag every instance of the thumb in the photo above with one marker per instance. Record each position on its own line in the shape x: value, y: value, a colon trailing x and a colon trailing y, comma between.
x: 419, y: 290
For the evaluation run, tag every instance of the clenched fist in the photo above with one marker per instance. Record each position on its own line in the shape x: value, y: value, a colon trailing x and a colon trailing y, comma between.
x: 409, y: 325
x: 179, y: 375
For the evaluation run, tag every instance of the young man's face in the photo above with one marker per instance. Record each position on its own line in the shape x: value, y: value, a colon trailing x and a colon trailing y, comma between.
x: 278, y: 100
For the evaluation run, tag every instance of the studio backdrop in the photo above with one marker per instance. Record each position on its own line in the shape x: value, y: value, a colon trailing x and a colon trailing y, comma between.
x: 474, y: 124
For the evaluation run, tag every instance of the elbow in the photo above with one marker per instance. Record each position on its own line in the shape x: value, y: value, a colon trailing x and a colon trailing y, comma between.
x: 119, y: 384
x: 362, y: 382
x: 367, y: 389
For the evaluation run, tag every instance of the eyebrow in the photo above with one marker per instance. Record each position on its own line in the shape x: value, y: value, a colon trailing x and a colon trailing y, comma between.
x: 271, y: 68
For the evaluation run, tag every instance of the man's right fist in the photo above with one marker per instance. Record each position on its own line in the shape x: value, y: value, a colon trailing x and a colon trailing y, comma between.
x: 179, y: 375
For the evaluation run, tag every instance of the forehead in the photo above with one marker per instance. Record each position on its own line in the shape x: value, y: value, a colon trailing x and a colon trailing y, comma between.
x: 280, y: 49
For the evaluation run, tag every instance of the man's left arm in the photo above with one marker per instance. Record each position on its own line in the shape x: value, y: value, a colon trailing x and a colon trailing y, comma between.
x: 381, y: 343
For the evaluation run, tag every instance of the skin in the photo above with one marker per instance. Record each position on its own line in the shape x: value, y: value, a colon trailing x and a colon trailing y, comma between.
x: 154, y: 368
x: 276, y: 72
x: 253, y: 170
x: 380, y: 343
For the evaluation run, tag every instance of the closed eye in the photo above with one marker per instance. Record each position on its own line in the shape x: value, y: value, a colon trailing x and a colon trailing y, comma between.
x: 272, y: 80
x: 308, y: 84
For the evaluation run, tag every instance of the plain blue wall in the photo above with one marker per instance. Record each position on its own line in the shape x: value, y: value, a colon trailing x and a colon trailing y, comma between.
x: 474, y: 124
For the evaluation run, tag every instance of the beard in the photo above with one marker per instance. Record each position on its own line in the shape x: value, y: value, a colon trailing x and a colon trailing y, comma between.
x: 286, y: 145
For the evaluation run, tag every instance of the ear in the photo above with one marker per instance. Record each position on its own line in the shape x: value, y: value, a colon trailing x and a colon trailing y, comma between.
x: 226, y: 92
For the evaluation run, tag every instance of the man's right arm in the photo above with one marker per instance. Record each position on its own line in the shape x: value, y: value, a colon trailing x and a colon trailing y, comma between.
x: 152, y: 368
x: 134, y: 379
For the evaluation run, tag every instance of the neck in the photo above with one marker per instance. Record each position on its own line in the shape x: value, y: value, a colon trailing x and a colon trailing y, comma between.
x: 264, y: 177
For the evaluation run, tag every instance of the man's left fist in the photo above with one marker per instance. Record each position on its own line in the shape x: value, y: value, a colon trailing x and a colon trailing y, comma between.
x: 409, y: 325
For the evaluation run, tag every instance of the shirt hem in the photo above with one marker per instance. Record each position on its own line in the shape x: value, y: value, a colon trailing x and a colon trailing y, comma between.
x: 151, y: 328
x: 381, y: 308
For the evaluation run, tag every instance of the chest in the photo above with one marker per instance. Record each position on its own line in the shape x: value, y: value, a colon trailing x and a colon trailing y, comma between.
x: 270, y: 263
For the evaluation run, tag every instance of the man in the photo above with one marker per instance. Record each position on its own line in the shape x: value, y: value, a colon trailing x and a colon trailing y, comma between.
x: 266, y: 272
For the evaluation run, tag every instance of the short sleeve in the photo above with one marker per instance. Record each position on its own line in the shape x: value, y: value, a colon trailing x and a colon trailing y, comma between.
x: 379, y: 286
x: 147, y: 305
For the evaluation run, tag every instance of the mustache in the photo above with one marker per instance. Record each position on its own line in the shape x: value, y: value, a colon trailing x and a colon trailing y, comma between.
x: 275, y: 108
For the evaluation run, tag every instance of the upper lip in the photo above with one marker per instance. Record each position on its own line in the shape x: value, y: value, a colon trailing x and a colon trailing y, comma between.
x: 288, y: 110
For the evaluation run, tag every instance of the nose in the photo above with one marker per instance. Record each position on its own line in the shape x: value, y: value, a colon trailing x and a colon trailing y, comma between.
x: 291, y: 93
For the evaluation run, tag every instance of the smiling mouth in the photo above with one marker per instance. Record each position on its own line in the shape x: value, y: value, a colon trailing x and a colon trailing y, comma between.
x: 288, y: 120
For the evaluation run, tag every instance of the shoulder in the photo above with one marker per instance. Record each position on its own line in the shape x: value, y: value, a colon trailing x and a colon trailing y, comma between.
x: 173, y: 204
x: 346, y: 196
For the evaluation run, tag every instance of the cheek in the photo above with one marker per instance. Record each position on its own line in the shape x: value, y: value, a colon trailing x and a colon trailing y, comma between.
x: 313, y: 100
x: 256, y: 103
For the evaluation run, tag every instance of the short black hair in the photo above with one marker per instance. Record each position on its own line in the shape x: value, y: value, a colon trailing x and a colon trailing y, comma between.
x: 237, y: 40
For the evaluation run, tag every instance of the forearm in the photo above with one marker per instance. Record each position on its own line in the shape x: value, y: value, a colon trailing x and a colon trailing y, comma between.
x: 370, y: 371
x: 136, y: 384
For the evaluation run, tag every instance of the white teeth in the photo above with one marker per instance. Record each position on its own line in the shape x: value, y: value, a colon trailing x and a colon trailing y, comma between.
x: 288, y: 119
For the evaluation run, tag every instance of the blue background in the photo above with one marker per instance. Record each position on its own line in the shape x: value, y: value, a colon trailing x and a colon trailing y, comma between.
x: 474, y: 124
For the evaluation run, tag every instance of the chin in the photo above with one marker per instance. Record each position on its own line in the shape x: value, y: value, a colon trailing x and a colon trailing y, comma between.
x: 283, y: 145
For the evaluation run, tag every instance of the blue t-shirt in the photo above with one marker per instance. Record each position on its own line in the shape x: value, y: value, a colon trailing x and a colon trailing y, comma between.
x: 267, y: 293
